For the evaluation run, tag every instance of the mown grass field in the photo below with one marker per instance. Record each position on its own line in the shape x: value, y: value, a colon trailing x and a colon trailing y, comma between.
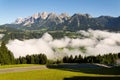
x: 17, y: 65
x: 63, y: 74
x: 47, y: 74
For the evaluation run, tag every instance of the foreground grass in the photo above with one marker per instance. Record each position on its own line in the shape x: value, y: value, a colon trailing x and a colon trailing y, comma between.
x: 17, y: 65
x: 48, y: 74
x: 62, y: 74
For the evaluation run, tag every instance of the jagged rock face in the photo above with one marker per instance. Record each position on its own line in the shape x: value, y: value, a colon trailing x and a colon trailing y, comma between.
x: 35, y: 15
x: 39, y: 17
x: 62, y: 21
x: 44, y: 15
x: 19, y: 20
x: 35, y: 18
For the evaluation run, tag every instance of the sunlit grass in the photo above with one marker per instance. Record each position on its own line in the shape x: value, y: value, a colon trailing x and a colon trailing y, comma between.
x: 57, y: 74
x: 17, y: 65
x: 46, y: 74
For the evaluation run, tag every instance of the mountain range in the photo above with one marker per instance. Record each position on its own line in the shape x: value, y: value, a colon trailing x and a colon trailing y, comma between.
x: 63, y: 21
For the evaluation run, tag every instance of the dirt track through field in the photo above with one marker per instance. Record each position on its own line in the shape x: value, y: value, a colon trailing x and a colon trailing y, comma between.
x: 21, y: 69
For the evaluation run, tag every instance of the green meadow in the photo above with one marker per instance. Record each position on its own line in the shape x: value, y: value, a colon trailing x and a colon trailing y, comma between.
x: 64, y: 74
x: 17, y: 65
x: 47, y: 74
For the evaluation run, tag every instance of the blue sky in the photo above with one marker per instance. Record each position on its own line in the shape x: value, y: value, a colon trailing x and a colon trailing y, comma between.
x: 12, y: 9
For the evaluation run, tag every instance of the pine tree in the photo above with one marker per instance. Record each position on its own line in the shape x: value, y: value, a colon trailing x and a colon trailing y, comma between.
x: 6, y: 56
x: 28, y: 58
x: 32, y: 61
x: 43, y: 59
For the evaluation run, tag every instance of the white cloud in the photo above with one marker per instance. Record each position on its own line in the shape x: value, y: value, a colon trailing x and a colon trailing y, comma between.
x: 95, y: 42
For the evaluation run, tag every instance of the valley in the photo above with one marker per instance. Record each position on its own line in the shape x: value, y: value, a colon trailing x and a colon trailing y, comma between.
x: 59, y: 40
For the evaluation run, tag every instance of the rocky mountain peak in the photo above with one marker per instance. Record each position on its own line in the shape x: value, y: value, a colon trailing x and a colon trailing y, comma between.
x: 35, y: 15
x: 75, y: 22
x: 19, y: 20
x: 44, y: 15
x: 63, y: 15
x: 52, y: 15
x: 82, y: 15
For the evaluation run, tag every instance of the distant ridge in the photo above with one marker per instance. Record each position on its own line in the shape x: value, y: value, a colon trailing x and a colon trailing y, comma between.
x: 53, y: 21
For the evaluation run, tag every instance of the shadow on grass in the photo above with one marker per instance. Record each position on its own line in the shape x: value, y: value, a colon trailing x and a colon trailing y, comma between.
x: 87, y: 68
x: 92, y: 78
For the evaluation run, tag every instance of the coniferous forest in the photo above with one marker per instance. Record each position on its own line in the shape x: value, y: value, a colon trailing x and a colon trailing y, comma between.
x: 6, y: 56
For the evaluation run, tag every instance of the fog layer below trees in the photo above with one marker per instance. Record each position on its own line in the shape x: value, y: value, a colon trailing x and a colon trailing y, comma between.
x: 91, y: 42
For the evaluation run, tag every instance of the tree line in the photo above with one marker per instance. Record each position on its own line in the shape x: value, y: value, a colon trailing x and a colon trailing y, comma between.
x: 102, y: 59
x: 32, y: 59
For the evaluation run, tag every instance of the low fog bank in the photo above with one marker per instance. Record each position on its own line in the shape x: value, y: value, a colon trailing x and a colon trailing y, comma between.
x: 92, y: 42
